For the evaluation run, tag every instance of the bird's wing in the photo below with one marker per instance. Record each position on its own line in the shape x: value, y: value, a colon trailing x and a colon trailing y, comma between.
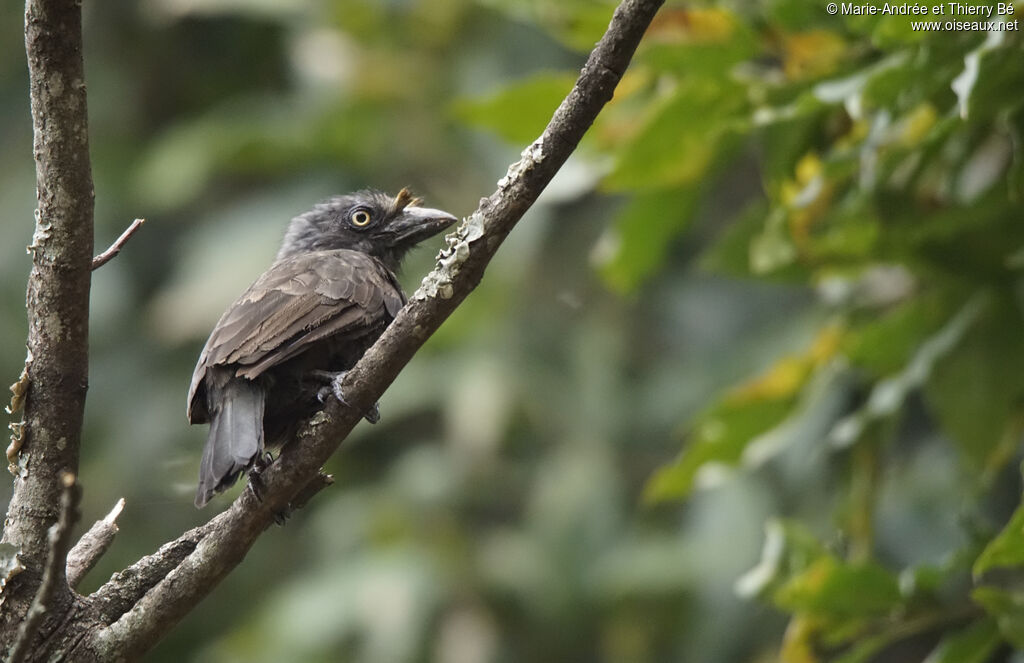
x: 296, y: 302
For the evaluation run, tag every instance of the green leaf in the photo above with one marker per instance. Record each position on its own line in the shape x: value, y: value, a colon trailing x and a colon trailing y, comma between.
x: 519, y: 112
x: 845, y: 240
x: 789, y: 548
x: 831, y: 587
x: 700, y: 59
x: 578, y: 24
x: 882, y: 346
x: 843, y: 89
x: 719, y: 437
x: 792, y: 15
x: 680, y: 138
x: 964, y: 84
x: 642, y: 236
x: 1008, y: 609
x: 973, y: 644
x: 585, y: 26
x: 863, y: 649
x: 922, y: 583
x: 706, y: 42
x: 888, y: 395
x: 1007, y: 549
x: 798, y: 397
x: 889, y: 30
x: 971, y: 241
x: 773, y: 248
x: 731, y: 253
x: 976, y: 390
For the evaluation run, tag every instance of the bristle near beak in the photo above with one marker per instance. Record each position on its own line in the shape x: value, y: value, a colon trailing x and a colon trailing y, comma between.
x: 405, y: 199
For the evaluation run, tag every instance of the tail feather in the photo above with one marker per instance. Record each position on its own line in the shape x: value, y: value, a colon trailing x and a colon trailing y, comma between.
x: 236, y: 433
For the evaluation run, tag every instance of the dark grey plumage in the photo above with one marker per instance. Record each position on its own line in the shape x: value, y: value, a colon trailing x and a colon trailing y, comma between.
x: 329, y: 294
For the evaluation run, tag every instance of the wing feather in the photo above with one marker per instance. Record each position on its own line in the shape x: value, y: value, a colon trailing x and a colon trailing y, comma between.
x: 298, y: 301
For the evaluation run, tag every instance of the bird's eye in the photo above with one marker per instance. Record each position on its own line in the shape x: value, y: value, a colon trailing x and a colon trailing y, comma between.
x: 359, y: 218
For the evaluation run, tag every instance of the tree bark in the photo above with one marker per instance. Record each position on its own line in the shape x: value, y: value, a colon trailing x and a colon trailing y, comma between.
x: 57, y: 302
x: 128, y: 616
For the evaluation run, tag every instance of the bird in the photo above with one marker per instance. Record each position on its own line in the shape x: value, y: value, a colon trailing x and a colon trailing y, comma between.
x: 282, y: 348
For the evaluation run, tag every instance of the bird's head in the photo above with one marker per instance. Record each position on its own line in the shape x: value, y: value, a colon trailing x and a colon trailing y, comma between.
x: 372, y: 222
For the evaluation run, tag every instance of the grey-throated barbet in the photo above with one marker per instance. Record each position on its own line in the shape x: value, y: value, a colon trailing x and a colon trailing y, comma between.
x: 280, y: 350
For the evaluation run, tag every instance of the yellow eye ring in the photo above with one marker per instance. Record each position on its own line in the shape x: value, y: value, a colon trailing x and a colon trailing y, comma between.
x: 360, y: 218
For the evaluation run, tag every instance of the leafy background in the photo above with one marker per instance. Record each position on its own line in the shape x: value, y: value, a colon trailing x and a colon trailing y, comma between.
x: 746, y: 384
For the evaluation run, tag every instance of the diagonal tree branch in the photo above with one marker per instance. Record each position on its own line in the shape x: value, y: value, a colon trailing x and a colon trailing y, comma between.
x: 126, y: 587
x: 460, y: 268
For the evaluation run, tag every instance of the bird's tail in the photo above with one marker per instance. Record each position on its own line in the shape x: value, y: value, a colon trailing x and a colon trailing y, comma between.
x: 236, y: 432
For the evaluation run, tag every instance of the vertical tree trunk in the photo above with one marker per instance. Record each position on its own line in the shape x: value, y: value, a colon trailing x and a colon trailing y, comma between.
x: 57, y: 300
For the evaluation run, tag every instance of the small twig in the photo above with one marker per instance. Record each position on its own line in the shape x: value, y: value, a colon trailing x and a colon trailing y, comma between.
x: 116, y: 247
x: 92, y: 545
x: 53, y: 574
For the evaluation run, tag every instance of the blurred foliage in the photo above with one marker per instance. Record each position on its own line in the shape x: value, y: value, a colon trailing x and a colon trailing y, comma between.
x: 788, y: 254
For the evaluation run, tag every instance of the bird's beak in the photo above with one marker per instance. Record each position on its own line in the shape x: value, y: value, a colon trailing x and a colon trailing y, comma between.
x: 415, y: 224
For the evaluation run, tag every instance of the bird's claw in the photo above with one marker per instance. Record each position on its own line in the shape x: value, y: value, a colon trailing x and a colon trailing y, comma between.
x: 261, y: 462
x: 372, y: 415
x: 259, y: 465
x: 256, y: 485
x: 259, y: 488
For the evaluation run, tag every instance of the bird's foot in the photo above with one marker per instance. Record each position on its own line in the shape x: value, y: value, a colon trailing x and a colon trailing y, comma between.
x: 261, y: 462
x: 259, y: 465
x: 334, y: 389
x: 256, y: 485
x: 259, y: 487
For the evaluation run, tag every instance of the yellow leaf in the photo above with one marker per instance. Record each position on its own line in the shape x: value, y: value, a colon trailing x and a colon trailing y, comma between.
x: 811, y: 54
x: 687, y: 26
x: 826, y: 344
x: 788, y: 192
x: 916, y: 124
x: 621, y: 120
x: 797, y: 645
x: 788, y: 375
x: 634, y: 80
x: 859, y: 130
x: 808, y: 168
x: 808, y: 197
x: 782, y: 380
